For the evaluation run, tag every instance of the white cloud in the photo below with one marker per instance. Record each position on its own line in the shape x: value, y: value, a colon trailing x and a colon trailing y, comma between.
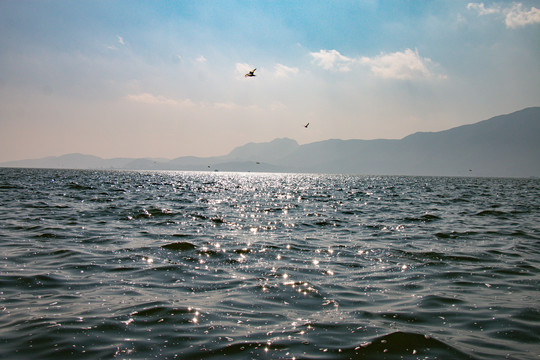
x: 515, y: 16
x: 482, y: 10
x: 332, y: 60
x: 121, y: 40
x: 284, y: 71
x: 147, y: 98
x: 402, y: 65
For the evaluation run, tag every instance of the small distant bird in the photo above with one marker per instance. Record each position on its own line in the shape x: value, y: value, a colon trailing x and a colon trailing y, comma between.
x: 306, y: 125
x: 251, y: 73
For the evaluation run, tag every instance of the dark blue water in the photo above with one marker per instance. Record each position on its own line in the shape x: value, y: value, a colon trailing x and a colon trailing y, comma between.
x: 165, y: 265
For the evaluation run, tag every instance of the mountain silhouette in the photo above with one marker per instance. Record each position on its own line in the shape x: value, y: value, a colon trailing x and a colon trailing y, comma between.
x: 505, y: 145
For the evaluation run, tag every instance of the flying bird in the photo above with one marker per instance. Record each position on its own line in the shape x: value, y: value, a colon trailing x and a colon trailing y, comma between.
x: 306, y: 125
x: 251, y: 73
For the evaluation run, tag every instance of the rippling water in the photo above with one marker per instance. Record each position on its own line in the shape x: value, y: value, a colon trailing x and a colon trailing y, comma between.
x: 138, y: 265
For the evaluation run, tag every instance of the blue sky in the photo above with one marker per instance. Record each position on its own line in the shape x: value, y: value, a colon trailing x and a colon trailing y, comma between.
x: 165, y: 78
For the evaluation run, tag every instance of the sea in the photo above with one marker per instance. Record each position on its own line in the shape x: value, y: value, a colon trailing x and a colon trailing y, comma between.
x: 212, y: 265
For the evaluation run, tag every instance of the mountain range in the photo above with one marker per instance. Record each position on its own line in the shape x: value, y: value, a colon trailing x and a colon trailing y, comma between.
x: 506, y: 146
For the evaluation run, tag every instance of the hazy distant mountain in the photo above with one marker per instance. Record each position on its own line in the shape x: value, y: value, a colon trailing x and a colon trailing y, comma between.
x: 274, y: 151
x: 506, y: 145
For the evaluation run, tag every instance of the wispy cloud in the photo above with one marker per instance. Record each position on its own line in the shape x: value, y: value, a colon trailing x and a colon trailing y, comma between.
x: 147, y: 98
x: 231, y: 106
x: 241, y: 69
x: 226, y: 105
x: 514, y: 16
x: 284, y: 71
x: 332, y: 60
x: 150, y: 99
x: 280, y: 70
x: 201, y: 59
x: 119, y: 40
x: 400, y: 65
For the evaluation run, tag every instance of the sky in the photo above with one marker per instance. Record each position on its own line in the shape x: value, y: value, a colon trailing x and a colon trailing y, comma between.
x: 164, y: 79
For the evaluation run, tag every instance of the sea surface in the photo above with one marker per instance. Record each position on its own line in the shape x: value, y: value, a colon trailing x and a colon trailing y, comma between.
x: 203, y: 265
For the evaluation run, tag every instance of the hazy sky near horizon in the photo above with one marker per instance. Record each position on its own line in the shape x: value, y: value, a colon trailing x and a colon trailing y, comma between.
x: 166, y: 78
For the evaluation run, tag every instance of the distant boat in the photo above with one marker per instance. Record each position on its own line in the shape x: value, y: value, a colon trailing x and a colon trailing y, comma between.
x: 251, y: 73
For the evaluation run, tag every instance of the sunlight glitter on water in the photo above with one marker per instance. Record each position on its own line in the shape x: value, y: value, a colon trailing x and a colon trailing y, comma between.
x: 305, y: 266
